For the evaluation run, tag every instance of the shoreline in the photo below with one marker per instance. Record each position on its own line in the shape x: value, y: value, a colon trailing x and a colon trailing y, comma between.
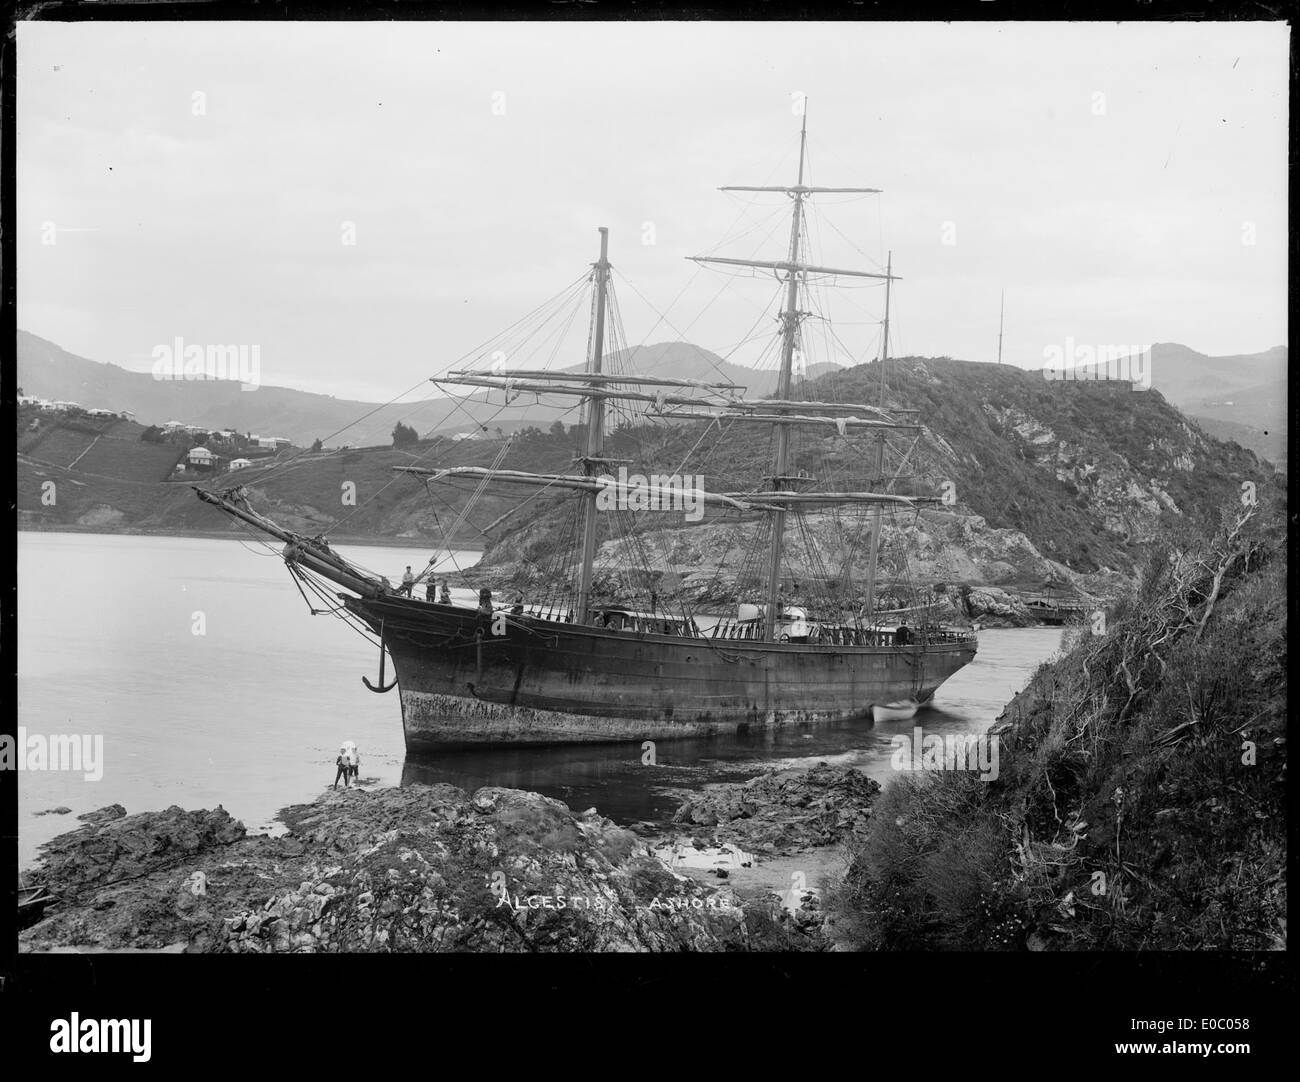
x: 497, y: 869
x: 235, y: 535
x: 988, y: 621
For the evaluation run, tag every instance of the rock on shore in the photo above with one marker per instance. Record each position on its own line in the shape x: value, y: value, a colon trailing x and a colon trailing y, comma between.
x: 785, y: 810
x: 422, y: 868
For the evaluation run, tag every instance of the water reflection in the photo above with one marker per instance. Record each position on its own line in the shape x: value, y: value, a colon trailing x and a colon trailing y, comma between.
x: 614, y: 779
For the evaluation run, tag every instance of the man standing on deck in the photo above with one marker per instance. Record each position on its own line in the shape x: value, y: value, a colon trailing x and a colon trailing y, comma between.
x: 408, y: 581
x: 444, y: 594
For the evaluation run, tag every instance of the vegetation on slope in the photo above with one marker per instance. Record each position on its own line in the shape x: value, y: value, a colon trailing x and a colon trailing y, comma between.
x: 1141, y: 797
x: 1089, y: 473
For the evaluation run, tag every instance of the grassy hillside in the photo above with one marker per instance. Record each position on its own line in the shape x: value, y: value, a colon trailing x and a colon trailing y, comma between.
x: 107, y: 447
x: 1089, y: 473
x: 1085, y: 470
x: 1140, y: 803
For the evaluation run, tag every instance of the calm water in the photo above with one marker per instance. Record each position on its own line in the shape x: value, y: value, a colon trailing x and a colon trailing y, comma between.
x: 250, y: 713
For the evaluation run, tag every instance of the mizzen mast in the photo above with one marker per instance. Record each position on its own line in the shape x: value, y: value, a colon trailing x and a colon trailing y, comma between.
x: 873, y: 554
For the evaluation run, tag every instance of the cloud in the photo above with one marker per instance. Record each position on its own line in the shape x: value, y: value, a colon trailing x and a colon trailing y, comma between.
x: 475, y: 161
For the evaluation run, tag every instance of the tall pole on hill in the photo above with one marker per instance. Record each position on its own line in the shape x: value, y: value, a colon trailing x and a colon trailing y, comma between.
x: 1001, y: 310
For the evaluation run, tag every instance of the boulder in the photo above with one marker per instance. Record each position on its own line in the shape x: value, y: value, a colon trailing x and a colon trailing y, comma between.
x: 785, y: 810
x: 114, y: 846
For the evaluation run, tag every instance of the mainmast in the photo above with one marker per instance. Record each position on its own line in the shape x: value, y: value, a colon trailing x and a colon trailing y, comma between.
x: 873, y: 554
x: 699, y: 400
x: 789, y: 327
x: 790, y: 318
x: 595, y: 435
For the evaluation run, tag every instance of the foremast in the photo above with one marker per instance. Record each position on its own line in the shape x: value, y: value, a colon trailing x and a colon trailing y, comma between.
x: 595, y: 434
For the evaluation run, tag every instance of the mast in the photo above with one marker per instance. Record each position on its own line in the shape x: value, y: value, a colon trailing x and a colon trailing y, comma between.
x: 595, y: 435
x: 1001, y: 310
x: 790, y: 317
x: 790, y: 324
x: 874, y: 544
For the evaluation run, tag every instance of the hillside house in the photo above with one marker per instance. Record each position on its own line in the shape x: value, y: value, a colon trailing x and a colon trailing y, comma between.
x: 240, y: 463
x: 201, y: 458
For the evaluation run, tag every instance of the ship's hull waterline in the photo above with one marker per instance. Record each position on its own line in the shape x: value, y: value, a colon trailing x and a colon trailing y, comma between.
x: 541, y: 682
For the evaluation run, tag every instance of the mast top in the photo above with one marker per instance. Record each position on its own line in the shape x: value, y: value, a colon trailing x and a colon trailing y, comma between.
x: 803, y: 140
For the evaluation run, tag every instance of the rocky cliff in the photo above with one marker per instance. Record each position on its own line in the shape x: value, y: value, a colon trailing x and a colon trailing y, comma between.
x: 1051, y: 485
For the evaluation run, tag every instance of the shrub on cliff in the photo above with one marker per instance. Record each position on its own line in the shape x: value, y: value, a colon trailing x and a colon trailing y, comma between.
x: 1140, y: 802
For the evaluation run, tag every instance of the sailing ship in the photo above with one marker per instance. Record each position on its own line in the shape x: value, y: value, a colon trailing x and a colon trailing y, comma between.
x: 588, y: 668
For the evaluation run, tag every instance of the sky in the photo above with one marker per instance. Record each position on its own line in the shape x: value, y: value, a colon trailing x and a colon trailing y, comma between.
x: 368, y: 202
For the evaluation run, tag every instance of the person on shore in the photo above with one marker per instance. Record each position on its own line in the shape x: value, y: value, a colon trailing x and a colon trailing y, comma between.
x: 348, y: 764
x: 444, y: 594
x: 408, y: 581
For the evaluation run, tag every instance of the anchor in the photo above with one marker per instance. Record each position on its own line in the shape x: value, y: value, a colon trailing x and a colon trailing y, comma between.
x: 381, y: 688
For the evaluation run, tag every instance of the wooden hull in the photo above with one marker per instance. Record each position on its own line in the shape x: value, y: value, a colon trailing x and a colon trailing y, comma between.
x: 541, y: 682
